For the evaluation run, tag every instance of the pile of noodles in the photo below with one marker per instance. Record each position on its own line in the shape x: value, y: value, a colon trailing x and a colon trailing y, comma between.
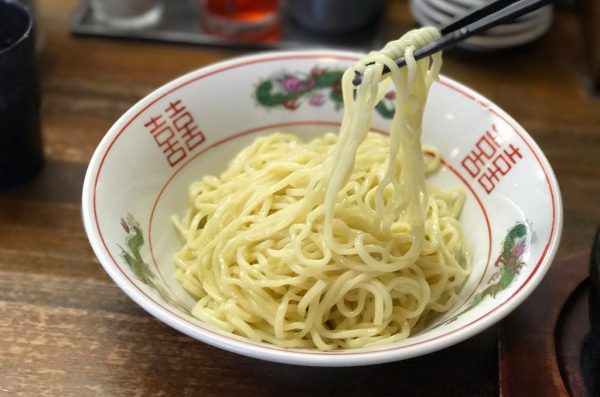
x: 336, y: 243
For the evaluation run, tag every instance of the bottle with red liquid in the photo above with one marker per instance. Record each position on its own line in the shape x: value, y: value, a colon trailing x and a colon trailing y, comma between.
x: 251, y: 20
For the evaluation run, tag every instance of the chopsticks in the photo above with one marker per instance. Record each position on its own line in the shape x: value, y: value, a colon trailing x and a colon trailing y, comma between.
x: 483, y: 18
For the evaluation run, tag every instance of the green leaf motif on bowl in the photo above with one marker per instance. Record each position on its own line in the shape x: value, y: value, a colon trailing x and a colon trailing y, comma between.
x: 289, y: 90
x: 131, y: 255
x: 508, y: 266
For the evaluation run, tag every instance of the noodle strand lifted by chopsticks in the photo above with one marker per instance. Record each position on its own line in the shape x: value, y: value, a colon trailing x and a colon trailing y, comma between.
x: 336, y: 243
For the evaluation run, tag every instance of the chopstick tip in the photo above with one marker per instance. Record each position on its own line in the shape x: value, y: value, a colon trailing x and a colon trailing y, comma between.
x: 357, y: 78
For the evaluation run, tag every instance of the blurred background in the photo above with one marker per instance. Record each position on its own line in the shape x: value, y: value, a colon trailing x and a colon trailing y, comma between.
x: 66, y: 329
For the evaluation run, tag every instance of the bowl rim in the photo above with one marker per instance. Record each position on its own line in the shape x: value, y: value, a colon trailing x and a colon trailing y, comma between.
x: 309, y: 357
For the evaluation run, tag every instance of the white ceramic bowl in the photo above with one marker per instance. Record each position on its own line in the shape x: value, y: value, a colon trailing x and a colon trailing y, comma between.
x: 139, y: 174
x: 522, y: 30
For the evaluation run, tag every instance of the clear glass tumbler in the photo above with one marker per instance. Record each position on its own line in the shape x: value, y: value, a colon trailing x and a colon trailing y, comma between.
x: 127, y: 14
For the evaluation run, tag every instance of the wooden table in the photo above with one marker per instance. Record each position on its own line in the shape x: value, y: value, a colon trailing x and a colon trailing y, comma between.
x: 67, y: 330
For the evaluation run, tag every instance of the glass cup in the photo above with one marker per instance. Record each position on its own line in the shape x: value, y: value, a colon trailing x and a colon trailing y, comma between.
x: 334, y: 16
x: 127, y: 14
x: 21, y: 153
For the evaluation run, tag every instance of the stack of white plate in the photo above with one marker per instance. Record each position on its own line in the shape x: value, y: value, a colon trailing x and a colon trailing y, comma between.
x: 522, y: 30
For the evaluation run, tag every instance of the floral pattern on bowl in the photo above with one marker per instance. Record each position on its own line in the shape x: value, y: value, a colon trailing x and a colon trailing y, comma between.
x: 289, y: 90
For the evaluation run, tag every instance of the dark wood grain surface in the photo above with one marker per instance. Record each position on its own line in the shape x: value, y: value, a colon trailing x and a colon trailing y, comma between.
x: 67, y: 330
x: 544, y: 337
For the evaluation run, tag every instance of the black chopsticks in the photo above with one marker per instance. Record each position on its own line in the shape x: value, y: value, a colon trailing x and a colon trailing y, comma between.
x: 483, y: 18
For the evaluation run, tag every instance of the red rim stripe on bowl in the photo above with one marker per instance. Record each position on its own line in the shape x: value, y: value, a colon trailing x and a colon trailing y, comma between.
x: 449, y: 84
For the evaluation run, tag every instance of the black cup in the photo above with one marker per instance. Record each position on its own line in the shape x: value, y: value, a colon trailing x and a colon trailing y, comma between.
x: 21, y: 152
